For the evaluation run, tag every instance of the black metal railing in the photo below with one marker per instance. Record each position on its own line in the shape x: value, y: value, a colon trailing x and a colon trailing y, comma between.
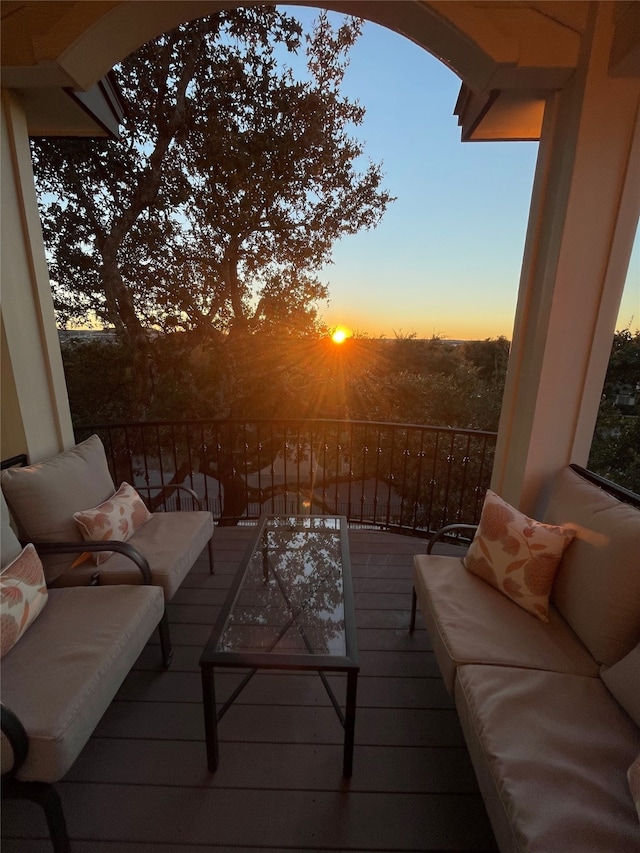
x: 404, y: 477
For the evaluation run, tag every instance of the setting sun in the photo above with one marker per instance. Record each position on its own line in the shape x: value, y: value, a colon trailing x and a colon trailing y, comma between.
x: 340, y: 335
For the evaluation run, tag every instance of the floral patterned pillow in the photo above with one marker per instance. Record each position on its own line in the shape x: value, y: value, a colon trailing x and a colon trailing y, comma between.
x: 23, y: 594
x: 517, y: 555
x: 118, y: 518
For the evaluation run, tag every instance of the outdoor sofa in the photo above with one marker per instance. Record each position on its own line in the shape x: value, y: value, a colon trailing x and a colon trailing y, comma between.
x: 65, y: 653
x: 83, y: 587
x: 550, y: 710
x: 71, y: 500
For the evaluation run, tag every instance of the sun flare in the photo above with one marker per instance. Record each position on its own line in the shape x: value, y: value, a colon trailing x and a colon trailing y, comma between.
x: 340, y: 335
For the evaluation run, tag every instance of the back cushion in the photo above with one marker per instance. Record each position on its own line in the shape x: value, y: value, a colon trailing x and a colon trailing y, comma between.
x: 10, y: 548
x: 43, y: 497
x: 623, y: 680
x: 597, y: 587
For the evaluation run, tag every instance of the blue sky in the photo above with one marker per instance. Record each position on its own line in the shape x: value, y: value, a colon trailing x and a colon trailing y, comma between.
x: 446, y: 258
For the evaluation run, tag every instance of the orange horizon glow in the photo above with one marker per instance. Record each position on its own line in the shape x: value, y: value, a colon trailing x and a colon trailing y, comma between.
x: 456, y: 329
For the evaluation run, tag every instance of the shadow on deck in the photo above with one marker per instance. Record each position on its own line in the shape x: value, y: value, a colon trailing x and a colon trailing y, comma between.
x: 141, y: 783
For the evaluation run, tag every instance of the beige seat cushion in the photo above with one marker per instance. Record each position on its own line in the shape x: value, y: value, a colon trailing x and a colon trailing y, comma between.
x: 551, y: 753
x: 171, y: 542
x: 62, y: 675
x: 469, y: 621
x: 43, y: 497
x: 597, y: 587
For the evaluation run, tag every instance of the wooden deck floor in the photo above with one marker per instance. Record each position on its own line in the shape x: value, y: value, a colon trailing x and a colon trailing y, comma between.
x: 141, y: 784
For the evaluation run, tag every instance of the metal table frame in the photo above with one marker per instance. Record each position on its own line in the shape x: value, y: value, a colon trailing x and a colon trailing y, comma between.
x: 211, y: 658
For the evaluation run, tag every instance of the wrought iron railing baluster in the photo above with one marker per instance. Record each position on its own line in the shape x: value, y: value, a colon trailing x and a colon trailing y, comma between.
x: 391, y: 476
x: 422, y: 476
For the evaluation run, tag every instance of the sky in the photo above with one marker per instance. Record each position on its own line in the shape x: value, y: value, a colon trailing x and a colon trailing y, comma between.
x: 446, y: 258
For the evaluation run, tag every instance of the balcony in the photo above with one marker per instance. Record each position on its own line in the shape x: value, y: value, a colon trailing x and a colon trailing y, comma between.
x: 278, y: 787
x: 141, y: 783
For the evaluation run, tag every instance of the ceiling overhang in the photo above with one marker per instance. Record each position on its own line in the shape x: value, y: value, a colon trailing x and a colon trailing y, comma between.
x: 508, y: 55
x: 64, y: 111
x: 501, y: 114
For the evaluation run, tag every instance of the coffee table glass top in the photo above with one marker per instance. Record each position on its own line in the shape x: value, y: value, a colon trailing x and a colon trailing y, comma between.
x: 290, y: 607
x: 290, y: 597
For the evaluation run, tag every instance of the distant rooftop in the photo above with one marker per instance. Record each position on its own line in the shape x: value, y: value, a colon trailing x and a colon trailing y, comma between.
x: 87, y: 334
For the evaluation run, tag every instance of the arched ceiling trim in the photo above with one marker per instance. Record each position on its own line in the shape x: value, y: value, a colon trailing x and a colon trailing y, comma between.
x: 487, y: 44
x: 508, y: 55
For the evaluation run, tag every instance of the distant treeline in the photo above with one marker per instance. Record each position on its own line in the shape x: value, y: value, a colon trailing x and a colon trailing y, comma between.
x: 267, y: 375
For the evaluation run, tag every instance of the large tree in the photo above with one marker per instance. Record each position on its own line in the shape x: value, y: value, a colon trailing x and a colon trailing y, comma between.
x: 231, y: 183
x: 212, y: 215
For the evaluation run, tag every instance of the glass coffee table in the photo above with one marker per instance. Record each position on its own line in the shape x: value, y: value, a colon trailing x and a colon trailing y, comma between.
x: 291, y: 608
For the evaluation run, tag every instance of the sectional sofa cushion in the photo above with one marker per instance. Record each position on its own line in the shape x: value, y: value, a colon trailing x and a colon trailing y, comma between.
x: 458, y: 608
x: 516, y: 554
x: 551, y: 753
x: 597, y: 587
x: 171, y: 542
x: 623, y: 680
x: 10, y: 547
x: 43, y: 497
x: 76, y: 654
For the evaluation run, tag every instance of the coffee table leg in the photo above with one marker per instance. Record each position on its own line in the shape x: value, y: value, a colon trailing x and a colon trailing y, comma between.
x: 210, y: 717
x: 349, y: 723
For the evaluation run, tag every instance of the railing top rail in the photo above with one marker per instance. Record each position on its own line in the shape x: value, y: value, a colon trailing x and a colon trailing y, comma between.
x: 284, y: 421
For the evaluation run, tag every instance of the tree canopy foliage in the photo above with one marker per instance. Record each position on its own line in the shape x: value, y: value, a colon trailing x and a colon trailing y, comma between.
x: 231, y: 183
x: 615, y: 451
x: 292, y: 381
x: 405, y: 381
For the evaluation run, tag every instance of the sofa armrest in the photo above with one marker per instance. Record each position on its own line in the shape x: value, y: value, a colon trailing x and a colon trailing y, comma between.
x: 447, y: 530
x: 15, y: 737
x: 81, y: 547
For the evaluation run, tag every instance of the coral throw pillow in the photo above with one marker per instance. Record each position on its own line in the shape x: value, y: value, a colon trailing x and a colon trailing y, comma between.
x: 23, y: 594
x: 634, y: 783
x: 118, y: 518
x: 517, y: 555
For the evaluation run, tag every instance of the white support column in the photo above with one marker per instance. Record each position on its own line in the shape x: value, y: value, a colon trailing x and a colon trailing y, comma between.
x: 584, y: 213
x: 35, y: 406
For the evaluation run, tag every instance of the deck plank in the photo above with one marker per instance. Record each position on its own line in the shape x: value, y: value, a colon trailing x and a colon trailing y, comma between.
x: 299, y: 819
x: 275, y: 766
x: 141, y: 783
x: 276, y: 688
